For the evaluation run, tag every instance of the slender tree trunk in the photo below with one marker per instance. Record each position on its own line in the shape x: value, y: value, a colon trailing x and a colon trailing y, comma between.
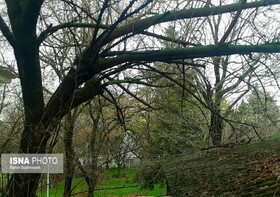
x: 94, y: 137
x: 69, y: 153
x: 216, y: 127
x: 168, y: 189
x: 93, y: 179
x: 90, y: 192
x: 90, y: 179
x: 216, y: 124
x: 107, y: 166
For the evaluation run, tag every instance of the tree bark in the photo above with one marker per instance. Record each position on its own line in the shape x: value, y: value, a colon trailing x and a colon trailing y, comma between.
x: 216, y: 124
x: 168, y: 188
x: 23, y: 16
x: 94, y: 141
x: 35, y: 135
x: 69, y: 153
x: 25, y: 185
x: 216, y: 127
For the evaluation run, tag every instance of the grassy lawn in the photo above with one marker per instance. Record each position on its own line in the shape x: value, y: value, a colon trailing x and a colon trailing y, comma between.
x: 108, y: 186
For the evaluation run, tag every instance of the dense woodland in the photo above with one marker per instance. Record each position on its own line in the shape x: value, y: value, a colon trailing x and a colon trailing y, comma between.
x: 156, y: 79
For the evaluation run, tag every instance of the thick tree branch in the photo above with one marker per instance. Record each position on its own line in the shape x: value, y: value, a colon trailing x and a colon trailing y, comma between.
x: 131, y: 81
x: 24, y: 16
x: 185, y: 53
x: 57, y: 108
x: 90, y: 63
x: 6, y: 32
x: 68, y: 86
x: 186, y: 14
x: 31, y: 14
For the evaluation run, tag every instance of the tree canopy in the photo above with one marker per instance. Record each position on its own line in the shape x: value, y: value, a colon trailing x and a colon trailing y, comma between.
x: 90, y: 45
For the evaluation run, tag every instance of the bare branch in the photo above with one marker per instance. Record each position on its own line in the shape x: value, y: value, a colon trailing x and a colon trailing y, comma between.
x: 177, y: 41
x: 233, y: 22
x: 50, y: 30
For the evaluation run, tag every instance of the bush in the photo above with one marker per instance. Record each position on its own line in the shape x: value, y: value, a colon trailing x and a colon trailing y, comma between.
x: 149, y: 175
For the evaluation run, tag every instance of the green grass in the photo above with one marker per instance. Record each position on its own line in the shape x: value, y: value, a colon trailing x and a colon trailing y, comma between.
x: 158, y: 191
x: 275, y: 135
x: 3, y: 181
x: 108, y: 186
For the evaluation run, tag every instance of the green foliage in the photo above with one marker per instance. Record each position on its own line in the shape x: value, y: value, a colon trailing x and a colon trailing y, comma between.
x: 151, y: 175
x: 260, y: 113
x: 263, y: 104
x: 178, y: 122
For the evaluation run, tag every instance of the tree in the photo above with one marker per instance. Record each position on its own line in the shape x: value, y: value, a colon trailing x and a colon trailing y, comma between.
x: 96, y: 137
x: 259, y: 114
x: 224, y: 76
x: 179, y: 121
x: 29, y: 28
x: 69, y: 125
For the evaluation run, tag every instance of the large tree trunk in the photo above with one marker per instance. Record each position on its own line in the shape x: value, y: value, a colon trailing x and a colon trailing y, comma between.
x: 23, y: 16
x: 35, y: 135
x: 25, y: 185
